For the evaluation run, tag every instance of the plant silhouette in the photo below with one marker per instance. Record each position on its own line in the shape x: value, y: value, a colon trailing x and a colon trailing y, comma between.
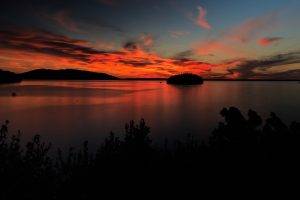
x: 237, y: 144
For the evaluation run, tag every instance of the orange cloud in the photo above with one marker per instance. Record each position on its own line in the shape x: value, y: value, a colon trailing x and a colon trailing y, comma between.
x: 201, y: 19
x: 28, y: 49
x: 266, y: 41
x: 217, y: 47
x: 22, y: 50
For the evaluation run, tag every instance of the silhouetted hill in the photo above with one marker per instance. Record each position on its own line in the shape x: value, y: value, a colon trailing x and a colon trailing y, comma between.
x: 185, y: 79
x: 9, y: 77
x: 65, y: 74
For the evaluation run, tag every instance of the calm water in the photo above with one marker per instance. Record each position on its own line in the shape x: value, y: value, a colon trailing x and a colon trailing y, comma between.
x: 68, y: 112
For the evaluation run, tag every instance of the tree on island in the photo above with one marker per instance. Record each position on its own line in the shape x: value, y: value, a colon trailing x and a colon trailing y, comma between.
x: 185, y: 79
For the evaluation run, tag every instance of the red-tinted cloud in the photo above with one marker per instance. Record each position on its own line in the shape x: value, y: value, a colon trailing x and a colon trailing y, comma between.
x: 216, y: 47
x: 28, y: 49
x: 22, y: 50
x: 266, y: 41
x: 201, y: 19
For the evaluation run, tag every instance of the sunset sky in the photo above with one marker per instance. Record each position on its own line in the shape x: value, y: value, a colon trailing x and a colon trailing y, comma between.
x: 153, y: 38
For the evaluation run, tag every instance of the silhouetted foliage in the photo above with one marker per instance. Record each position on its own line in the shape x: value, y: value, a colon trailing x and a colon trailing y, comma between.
x: 239, y: 144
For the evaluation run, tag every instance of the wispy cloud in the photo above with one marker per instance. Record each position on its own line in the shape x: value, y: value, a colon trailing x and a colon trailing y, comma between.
x: 201, y: 19
x: 265, y: 67
x: 39, y: 41
x: 63, y: 19
x: 253, y: 28
x: 184, y: 54
x: 217, y: 47
x: 266, y: 41
x: 145, y: 41
x: 28, y: 49
x: 231, y: 42
x: 177, y: 34
x: 37, y: 48
x: 103, y: 45
x: 71, y: 22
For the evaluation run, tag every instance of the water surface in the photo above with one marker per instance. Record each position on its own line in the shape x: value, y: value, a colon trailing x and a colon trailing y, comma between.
x: 68, y: 112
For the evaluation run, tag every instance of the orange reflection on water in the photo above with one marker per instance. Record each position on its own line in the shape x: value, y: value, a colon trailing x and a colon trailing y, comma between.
x: 70, y: 111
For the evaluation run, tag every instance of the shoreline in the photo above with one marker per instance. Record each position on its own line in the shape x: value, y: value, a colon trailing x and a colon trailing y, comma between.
x: 156, y: 79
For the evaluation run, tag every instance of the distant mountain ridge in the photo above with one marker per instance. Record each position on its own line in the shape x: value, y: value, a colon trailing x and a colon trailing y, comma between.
x: 65, y: 74
x: 75, y: 74
x: 9, y: 77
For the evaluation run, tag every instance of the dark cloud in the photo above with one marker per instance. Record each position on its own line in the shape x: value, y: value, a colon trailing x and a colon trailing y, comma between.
x: 69, y: 14
x: 131, y: 46
x: 184, y: 54
x: 136, y: 63
x: 247, y: 67
x: 47, y: 43
x: 290, y: 74
x: 40, y: 41
x: 144, y: 41
x: 44, y: 42
x: 183, y: 61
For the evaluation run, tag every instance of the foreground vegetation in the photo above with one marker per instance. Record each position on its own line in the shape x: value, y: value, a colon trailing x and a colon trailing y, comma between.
x: 238, y: 145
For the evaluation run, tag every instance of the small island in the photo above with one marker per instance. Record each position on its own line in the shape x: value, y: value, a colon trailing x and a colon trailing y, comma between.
x: 185, y: 79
